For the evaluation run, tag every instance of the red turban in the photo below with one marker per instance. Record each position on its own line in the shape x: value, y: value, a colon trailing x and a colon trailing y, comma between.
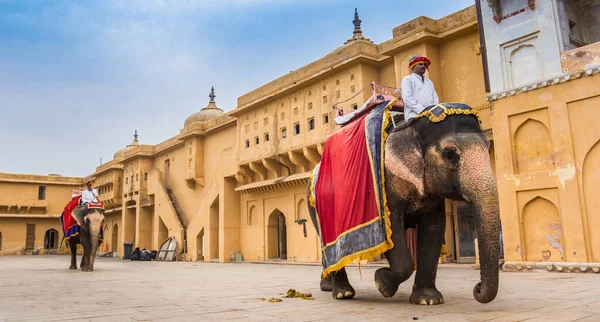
x: 418, y: 59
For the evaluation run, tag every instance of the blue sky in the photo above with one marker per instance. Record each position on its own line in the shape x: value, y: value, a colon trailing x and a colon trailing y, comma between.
x: 78, y: 77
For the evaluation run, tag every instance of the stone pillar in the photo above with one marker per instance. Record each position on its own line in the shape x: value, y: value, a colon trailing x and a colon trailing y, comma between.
x: 230, y: 220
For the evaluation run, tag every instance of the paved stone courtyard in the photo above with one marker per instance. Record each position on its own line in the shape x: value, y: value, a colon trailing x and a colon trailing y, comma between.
x: 41, y: 288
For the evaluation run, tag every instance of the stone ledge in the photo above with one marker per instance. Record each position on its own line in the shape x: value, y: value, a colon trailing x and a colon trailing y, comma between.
x: 552, y: 267
x: 587, y: 71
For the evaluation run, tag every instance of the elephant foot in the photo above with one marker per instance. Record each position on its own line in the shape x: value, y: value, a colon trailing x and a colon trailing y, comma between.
x: 343, y: 292
x: 73, y: 266
x: 385, y: 280
x: 426, y: 296
x: 326, y: 285
x: 87, y: 269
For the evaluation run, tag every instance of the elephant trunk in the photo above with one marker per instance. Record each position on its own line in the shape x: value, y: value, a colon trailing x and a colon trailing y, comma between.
x: 478, y: 188
x: 95, y: 226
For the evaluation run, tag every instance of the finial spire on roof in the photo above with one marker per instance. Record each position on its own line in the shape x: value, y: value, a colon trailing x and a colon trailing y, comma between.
x: 356, y: 22
x: 212, y: 94
x: 211, y: 103
x: 357, y: 33
x: 135, y: 140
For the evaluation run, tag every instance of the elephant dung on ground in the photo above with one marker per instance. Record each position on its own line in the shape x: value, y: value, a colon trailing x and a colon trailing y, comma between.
x: 425, y: 163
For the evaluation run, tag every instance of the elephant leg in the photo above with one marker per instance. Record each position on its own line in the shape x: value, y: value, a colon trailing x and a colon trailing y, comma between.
x: 326, y: 284
x: 341, y: 288
x: 431, y: 235
x: 73, y: 248
x: 387, y: 279
x: 87, y: 249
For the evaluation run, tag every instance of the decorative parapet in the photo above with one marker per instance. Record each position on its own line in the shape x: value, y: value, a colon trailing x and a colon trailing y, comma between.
x: 50, y: 216
x: 424, y: 27
x: 341, y: 56
x: 587, y: 71
x: 113, y: 164
x: 552, y: 266
x: 38, y: 179
x: 202, y: 128
x: 440, y: 27
x: 167, y: 144
x: 140, y: 150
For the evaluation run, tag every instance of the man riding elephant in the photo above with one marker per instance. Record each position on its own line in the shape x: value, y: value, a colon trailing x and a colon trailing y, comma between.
x: 418, y: 92
x: 87, y: 196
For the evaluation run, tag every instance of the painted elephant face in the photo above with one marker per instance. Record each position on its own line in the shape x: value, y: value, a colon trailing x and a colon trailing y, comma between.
x: 449, y: 162
x: 93, y: 221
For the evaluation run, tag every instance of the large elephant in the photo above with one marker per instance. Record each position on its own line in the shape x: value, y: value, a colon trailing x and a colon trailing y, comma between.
x: 426, y: 162
x: 90, y: 223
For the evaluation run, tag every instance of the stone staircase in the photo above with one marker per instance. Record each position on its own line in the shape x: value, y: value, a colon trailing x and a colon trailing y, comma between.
x: 179, y: 214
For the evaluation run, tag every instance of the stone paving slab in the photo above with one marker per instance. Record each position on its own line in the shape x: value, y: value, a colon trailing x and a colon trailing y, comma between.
x: 41, y: 288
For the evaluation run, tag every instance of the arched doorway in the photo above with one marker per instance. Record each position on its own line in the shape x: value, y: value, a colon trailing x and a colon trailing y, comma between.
x: 51, y: 239
x: 115, y: 238
x: 277, y: 236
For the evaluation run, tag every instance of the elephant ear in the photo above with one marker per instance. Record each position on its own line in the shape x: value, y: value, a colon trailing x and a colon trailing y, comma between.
x: 404, y: 165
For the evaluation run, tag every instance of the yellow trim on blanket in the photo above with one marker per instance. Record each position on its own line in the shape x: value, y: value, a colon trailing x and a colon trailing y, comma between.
x: 364, y: 254
x: 352, y: 230
x: 311, y: 187
x: 388, y: 244
x: 447, y: 111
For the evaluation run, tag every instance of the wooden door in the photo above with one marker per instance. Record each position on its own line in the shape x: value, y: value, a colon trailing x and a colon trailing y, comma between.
x: 30, y: 239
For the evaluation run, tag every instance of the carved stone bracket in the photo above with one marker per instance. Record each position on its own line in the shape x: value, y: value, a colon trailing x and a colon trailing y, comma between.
x: 312, y: 155
x: 272, y: 166
x: 285, y: 160
x: 259, y: 169
x: 298, y: 159
x: 320, y: 148
x: 244, y: 175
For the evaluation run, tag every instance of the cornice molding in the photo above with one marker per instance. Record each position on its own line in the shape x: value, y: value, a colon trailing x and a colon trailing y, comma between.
x: 566, y: 77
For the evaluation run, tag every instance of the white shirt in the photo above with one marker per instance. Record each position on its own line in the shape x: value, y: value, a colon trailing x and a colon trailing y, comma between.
x: 418, y: 93
x: 89, y: 196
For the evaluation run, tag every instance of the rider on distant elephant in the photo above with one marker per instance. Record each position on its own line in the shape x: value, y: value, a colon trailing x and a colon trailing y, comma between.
x: 87, y: 196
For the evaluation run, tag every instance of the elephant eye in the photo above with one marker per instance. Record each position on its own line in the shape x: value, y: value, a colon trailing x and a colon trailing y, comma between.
x: 451, y: 155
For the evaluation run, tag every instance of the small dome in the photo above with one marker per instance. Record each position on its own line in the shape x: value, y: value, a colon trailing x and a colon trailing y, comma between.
x: 121, y: 153
x: 208, y: 113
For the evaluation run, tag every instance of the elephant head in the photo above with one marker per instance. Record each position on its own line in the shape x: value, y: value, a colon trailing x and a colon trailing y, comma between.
x: 450, y: 159
x: 92, y: 223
